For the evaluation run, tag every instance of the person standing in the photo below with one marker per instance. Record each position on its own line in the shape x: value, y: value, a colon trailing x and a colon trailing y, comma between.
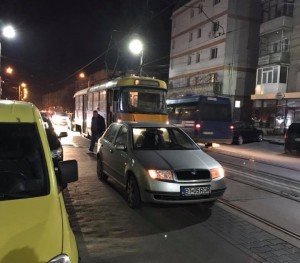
x: 97, y: 128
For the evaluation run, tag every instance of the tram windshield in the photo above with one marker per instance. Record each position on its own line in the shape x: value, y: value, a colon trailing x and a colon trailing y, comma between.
x: 143, y: 100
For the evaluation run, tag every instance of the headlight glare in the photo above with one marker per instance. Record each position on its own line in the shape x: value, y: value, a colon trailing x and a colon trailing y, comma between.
x: 217, y: 173
x: 161, y: 174
x: 60, y: 259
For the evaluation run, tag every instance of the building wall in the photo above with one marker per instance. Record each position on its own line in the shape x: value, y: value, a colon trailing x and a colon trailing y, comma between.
x: 236, y: 41
x: 294, y: 72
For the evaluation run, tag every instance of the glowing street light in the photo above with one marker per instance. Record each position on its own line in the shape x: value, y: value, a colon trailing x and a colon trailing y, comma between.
x: 9, y: 70
x: 7, y: 32
x: 137, y: 48
x: 23, y: 91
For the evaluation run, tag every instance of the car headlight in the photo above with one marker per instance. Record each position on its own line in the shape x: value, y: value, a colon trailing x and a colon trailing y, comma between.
x: 60, y: 259
x: 161, y: 174
x: 57, y: 153
x: 217, y: 173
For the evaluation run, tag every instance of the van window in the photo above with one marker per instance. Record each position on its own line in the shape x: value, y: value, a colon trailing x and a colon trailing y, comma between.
x: 22, y: 162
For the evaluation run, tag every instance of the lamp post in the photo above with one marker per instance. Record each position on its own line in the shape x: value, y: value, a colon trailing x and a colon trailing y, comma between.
x: 8, y: 32
x: 136, y: 47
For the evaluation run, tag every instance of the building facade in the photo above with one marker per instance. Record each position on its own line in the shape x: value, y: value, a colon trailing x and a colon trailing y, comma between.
x: 214, y: 51
x: 276, y: 100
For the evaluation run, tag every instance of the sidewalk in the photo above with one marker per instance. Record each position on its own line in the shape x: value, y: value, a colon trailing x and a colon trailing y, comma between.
x: 276, y: 139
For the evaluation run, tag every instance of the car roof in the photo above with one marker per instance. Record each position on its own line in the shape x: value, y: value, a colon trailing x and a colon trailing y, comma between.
x: 146, y: 124
x: 18, y: 111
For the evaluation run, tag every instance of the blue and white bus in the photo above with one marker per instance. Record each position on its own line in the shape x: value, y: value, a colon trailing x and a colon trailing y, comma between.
x: 207, y: 119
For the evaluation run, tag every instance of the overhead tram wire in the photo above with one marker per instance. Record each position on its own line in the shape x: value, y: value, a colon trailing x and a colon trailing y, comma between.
x: 109, y: 48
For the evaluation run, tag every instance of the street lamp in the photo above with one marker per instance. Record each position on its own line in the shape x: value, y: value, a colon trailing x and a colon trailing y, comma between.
x: 7, y: 32
x: 136, y: 47
x: 23, y: 92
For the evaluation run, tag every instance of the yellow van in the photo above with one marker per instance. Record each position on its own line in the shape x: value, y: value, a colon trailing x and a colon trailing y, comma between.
x: 34, y: 225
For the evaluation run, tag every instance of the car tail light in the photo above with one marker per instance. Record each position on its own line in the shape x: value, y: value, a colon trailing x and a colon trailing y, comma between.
x: 197, y: 126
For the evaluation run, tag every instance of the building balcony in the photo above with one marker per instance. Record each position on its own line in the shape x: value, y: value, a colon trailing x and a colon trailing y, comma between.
x: 274, y: 58
x: 276, y: 24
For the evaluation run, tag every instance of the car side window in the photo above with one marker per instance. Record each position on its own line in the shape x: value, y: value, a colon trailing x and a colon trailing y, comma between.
x: 111, y: 133
x: 122, y: 136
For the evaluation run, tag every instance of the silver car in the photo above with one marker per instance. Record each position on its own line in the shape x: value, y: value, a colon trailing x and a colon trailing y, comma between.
x: 158, y: 163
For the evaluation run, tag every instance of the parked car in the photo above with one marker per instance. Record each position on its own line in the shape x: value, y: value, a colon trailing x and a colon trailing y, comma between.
x: 56, y: 148
x: 158, y: 163
x: 61, y: 118
x: 246, y: 132
x: 292, y: 138
x: 34, y: 223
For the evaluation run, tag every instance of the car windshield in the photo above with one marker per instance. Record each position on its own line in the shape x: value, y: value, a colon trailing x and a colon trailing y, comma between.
x: 161, y: 139
x: 22, y: 164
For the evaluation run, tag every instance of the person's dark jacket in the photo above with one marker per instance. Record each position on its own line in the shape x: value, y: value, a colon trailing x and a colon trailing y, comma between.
x: 98, y: 125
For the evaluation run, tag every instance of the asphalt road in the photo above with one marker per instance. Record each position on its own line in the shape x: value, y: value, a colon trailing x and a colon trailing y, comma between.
x: 107, y: 230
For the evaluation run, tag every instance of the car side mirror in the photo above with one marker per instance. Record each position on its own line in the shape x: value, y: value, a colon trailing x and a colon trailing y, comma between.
x: 62, y: 134
x: 67, y: 172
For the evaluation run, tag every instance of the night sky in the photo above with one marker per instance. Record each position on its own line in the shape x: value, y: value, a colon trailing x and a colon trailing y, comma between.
x: 56, y: 39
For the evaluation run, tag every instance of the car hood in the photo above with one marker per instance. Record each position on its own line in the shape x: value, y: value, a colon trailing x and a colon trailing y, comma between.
x: 31, y: 229
x: 176, y: 159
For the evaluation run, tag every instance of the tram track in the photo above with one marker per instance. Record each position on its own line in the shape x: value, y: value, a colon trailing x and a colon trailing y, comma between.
x: 273, y: 183
x: 280, y: 185
x: 281, y: 231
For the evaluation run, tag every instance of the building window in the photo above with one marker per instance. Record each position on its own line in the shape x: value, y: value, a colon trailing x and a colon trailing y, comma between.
x: 213, y: 53
x: 283, y: 74
x: 285, y: 44
x: 215, y: 26
x: 189, y: 60
x: 200, y: 8
x: 213, y: 77
x: 190, y: 37
x: 270, y: 75
x: 192, y: 13
x: 198, y: 58
x: 199, y: 33
x: 215, y: 2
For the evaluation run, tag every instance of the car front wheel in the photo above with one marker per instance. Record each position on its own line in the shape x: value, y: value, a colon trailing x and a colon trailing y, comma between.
x: 133, y: 193
x: 100, y: 173
x: 259, y: 137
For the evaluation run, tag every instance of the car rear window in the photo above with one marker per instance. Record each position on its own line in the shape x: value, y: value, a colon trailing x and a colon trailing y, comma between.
x: 23, y: 172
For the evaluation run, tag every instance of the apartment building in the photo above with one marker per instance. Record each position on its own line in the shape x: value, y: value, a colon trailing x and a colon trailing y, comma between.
x: 214, y: 51
x: 276, y: 99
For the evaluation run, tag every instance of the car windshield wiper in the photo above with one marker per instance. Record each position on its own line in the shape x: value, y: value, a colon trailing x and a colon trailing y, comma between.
x: 4, y: 196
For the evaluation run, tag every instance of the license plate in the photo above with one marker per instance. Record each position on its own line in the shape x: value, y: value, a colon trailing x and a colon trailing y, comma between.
x: 194, y: 191
x: 208, y: 133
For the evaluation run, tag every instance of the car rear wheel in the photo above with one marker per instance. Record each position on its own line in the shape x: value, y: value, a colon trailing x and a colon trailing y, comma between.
x: 100, y: 173
x: 240, y: 140
x: 133, y: 193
